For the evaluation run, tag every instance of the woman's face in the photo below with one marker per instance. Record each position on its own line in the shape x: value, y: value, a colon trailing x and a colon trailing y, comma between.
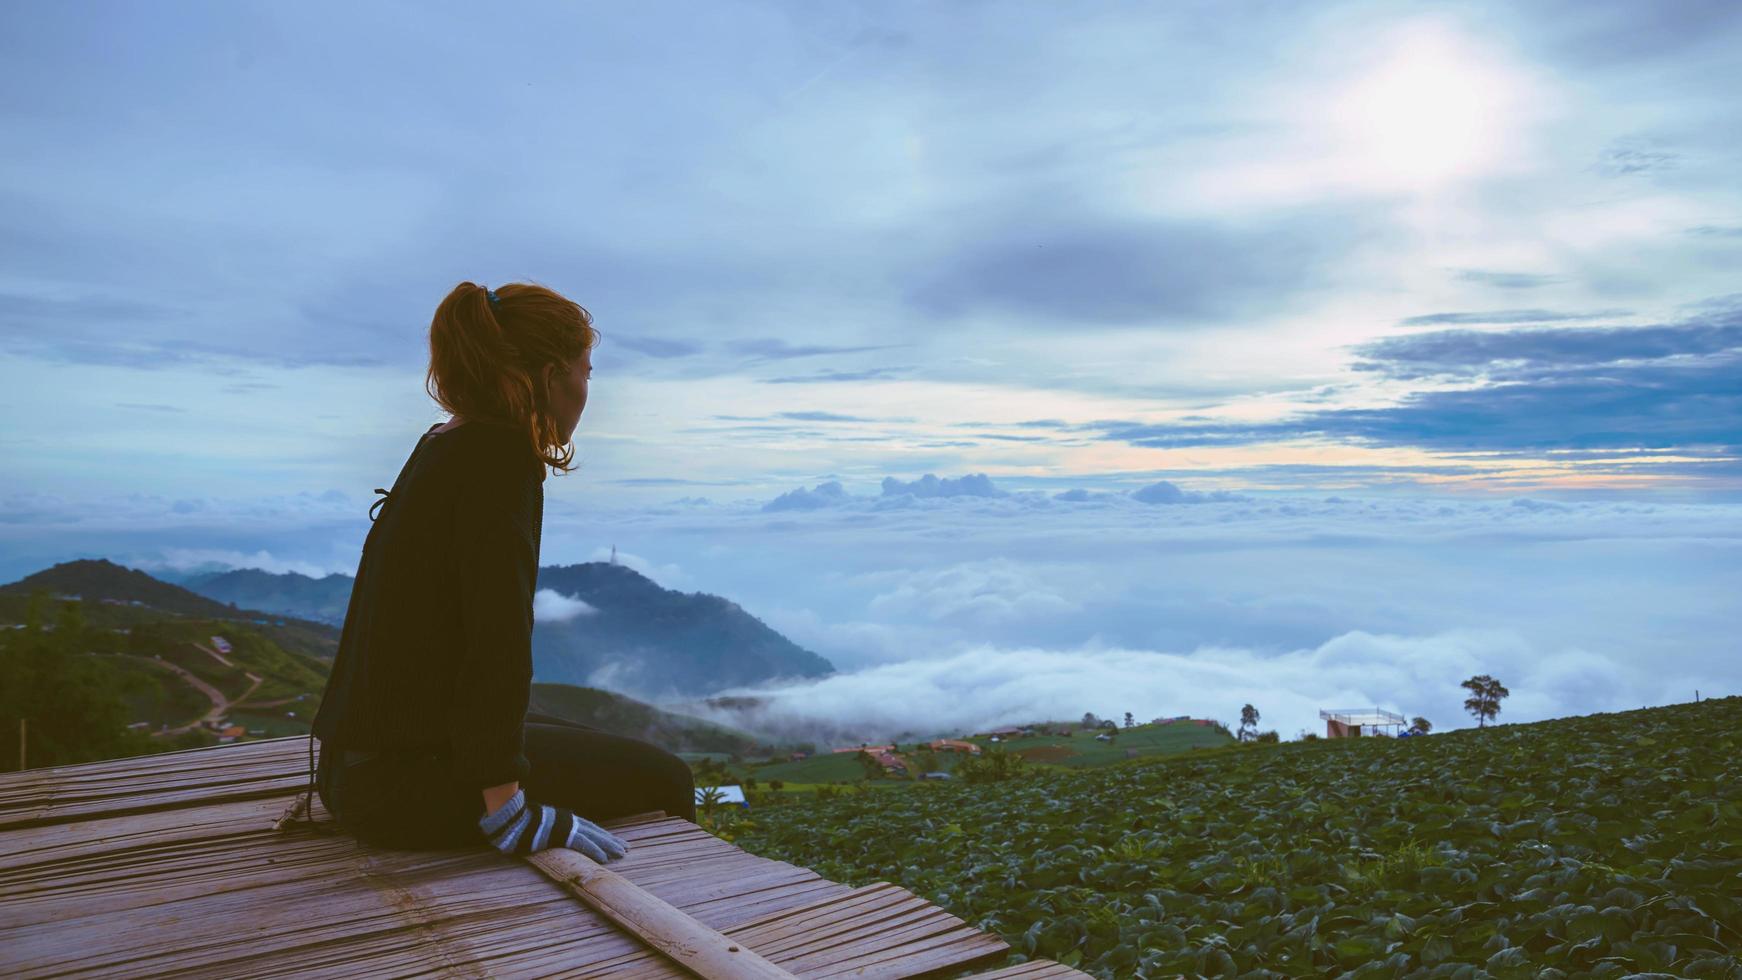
x: 567, y: 392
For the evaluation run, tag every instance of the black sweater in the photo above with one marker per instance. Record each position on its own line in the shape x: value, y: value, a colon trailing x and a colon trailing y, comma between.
x: 436, y: 651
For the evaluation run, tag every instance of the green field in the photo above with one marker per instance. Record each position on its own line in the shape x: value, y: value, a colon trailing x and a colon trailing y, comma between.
x: 1061, y: 751
x: 1085, y: 752
x: 1606, y: 845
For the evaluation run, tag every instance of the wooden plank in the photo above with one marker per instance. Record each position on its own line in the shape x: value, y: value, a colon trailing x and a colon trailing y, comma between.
x: 673, y: 934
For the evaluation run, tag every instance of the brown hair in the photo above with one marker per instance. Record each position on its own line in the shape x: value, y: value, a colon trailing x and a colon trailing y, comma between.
x: 487, y: 361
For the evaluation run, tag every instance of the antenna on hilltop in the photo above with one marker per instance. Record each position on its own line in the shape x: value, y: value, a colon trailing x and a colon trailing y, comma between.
x: 613, y: 554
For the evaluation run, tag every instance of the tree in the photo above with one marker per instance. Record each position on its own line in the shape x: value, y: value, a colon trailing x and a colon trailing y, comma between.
x: 1090, y: 721
x: 74, y: 706
x: 1128, y: 722
x: 1248, y: 722
x: 993, y: 765
x: 1484, y: 699
x: 1420, y: 725
x: 868, y: 762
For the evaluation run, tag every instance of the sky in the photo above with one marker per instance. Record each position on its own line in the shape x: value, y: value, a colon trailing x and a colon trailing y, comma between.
x: 1016, y: 357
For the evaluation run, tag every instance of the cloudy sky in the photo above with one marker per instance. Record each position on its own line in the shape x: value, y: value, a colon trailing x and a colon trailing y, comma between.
x: 999, y: 352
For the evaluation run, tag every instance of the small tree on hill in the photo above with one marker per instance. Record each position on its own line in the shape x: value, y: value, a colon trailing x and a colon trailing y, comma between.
x: 1248, y: 722
x: 993, y: 765
x: 1128, y: 722
x: 1420, y: 725
x: 1484, y: 699
x: 868, y: 762
x: 1090, y: 721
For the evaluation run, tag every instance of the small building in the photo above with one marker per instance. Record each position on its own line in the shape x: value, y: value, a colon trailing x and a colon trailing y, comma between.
x: 1103, y: 737
x: 796, y: 756
x: 1355, y: 722
x: 953, y: 745
x: 231, y: 733
x: 220, y: 644
x: 934, y: 775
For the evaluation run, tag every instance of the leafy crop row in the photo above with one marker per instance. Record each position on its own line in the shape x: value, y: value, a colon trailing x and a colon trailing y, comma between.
x: 1603, y: 845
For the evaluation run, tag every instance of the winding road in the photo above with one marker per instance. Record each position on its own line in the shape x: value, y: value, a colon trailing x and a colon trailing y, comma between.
x: 220, y: 704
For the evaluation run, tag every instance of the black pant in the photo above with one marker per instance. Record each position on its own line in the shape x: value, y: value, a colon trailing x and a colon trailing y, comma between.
x: 414, y: 802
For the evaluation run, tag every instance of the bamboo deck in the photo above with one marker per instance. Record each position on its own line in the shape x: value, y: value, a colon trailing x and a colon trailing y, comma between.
x: 169, y: 865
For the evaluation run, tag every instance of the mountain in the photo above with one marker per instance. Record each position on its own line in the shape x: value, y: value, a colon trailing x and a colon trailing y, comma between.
x: 98, y: 579
x: 634, y: 636
x: 322, y: 599
x: 628, y: 634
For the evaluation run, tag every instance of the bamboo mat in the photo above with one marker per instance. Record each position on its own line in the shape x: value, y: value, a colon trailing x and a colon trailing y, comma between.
x: 168, y: 865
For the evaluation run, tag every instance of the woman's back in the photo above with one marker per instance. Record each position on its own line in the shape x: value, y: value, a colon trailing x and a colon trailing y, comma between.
x: 436, y: 650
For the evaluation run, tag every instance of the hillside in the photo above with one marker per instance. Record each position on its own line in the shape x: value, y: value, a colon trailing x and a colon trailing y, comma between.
x: 184, y: 666
x: 626, y: 716
x: 100, y: 580
x: 1603, y: 845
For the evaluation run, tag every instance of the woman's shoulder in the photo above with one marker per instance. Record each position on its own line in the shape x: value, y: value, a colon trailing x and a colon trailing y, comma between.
x: 491, y: 444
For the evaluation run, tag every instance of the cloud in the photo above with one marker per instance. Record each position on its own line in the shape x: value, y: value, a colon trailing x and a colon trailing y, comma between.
x: 1666, y: 387
x: 660, y: 347
x: 1509, y: 280
x: 985, y: 686
x: 989, y: 592
x: 1080, y: 495
x: 1038, y: 272
x: 823, y: 417
x: 1635, y: 155
x: 824, y: 495
x: 927, y: 486
x: 1505, y: 316
x: 776, y: 349
x: 1163, y: 492
x: 551, y: 606
x: 831, y: 375
x: 1716, y: 231
x: 1541, y: 354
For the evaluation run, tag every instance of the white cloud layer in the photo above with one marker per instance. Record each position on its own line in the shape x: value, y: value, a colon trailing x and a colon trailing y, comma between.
x: 986, y: 686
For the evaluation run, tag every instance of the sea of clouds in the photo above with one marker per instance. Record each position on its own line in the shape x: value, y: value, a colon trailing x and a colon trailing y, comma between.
x: 954, y: 604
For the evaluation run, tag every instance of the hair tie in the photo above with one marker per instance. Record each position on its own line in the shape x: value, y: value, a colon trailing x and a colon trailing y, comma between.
x: 492, y: 294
